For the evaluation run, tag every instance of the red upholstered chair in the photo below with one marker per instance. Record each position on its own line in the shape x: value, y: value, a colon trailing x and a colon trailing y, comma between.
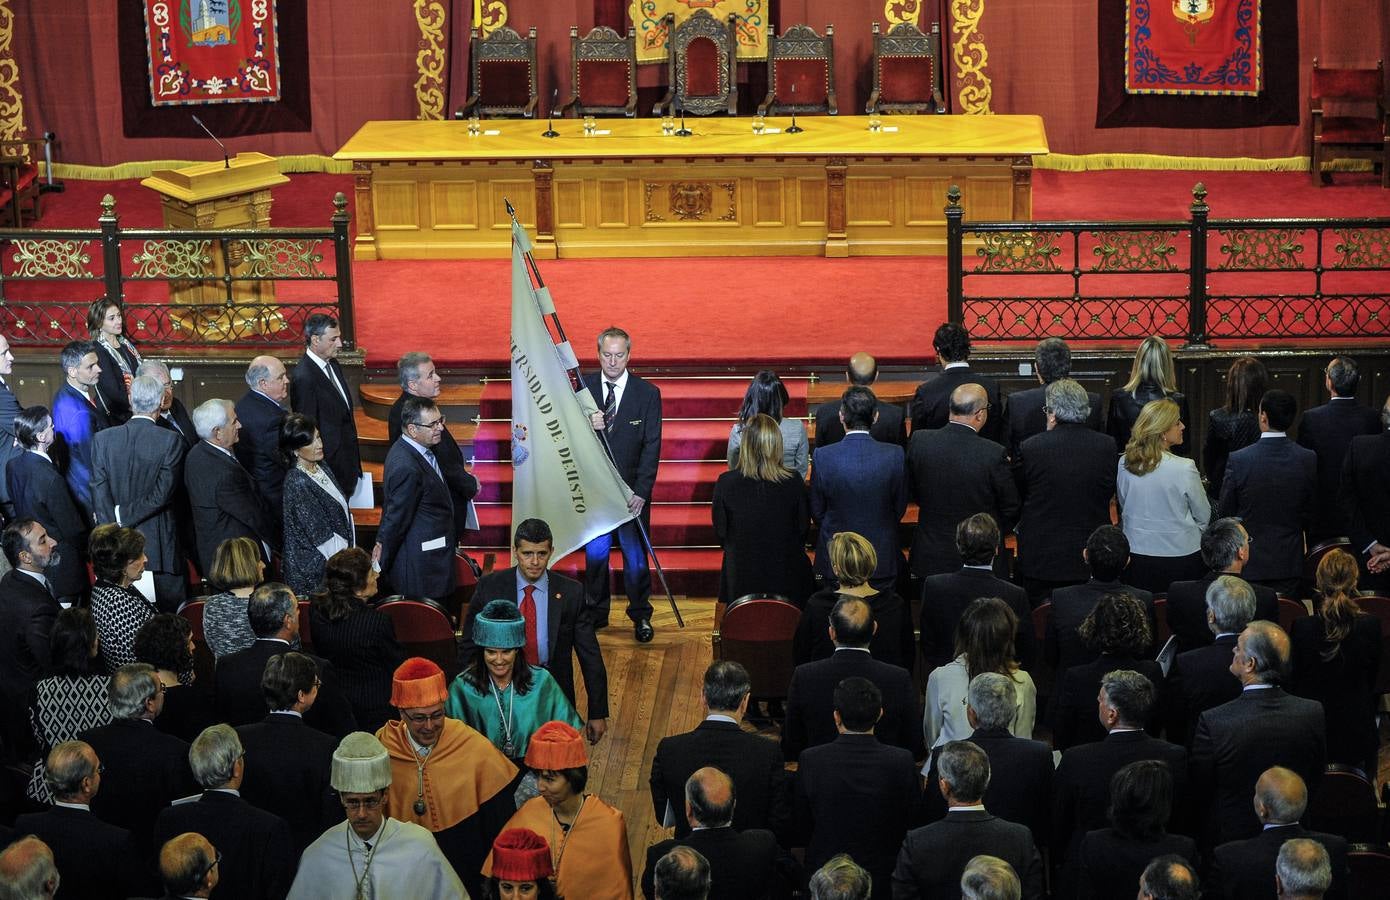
x: 756, y: 630
x: 1161, y: 621
x: 203, y: 662
x: 1289, y: 610
x: 504, y: 75
x: 1344, y: 804
x: 192, y: 610
x: 423, y: 629
x: 19, y: 179
x: 1347, y: 135
x: 1368, y: 869
x: 803, y: 60
x: 907, y: 71
x: 700, y: 66
x: 603, y: 72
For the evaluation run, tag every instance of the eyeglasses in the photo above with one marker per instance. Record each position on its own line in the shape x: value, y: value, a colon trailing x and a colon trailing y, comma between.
x: 437, y: 423
x: 423, y: 718
x: 216, y: 859
x: 367, y: 804
x: 101, y: 769
x: 1047, y: 410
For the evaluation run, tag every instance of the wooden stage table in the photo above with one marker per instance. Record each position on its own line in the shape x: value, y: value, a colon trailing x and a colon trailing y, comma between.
x: 430, y: 190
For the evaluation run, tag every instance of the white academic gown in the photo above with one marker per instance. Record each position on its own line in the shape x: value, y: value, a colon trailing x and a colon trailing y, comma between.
x: 406, y: 864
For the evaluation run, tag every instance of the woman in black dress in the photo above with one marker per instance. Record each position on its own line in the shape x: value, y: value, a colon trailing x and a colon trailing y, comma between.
x: 118, y: 358
x: 1151, y: 377
x: 762, y: 513
x: 1237, y: 424
x: 317, y: 520
x: 1110, y: 860
x: 166, y: 642
x: 853, y: 560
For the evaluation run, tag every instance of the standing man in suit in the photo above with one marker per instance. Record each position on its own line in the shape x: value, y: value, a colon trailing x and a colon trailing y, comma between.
x: 9, y: 408
x: 38, y: 492
x: 1226, y: 549
x: 1028, y: 408
x: 1106, y: 555
x: 630, y: 415
x: 1201, y: 679
x: 555, y: 613
x: 1066, y: 476
x: 79, y: 413
x: 954, y: 472
x: 933, y: 857
x: 1365, y: 493
x: 261, y: 411
x: 137, y: 470
x: 224, y: 499
x: 319, y: 390
x: 172, y: 414
x: 931, y: 403
x: 415, y: 543
x: 889, y: 422
x: 1271, y: 485
x: 27, y: 614
x: 859, y: 485
x: 751, y: 760
x: 1327, y: 430
x: 1237, y: 741
x: 419, y: 379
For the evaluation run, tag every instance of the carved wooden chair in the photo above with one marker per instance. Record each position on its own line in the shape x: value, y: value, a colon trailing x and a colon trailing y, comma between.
x: 19, y: 180
x: 504, y: 75
x: 603, y: 72
x: 701, y: 63
x: 907, y: 71
x: 803, y: 60
x: 1346, y: 136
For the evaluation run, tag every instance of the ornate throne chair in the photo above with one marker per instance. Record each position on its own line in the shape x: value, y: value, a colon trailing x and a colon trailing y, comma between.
x: 603, y: 72
x: 701, y: 66
x: 504, y: 75
x: 802, y: 59
x: 1349, y: 136
x: 907, y: 71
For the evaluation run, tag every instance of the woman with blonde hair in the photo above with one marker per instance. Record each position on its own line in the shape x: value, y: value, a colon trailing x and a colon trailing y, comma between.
x: 237, y: 568
x: 853, y: 560
x: 1336, y: 654
x: 1163, y: 507
x: 1151, y: 377
x: 761, y: 514
x: 984, y: 643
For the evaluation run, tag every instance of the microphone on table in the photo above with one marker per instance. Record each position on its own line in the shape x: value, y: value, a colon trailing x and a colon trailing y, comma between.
x: 794, y: 128
x: 550, y: 131
x: 682, y: 131
x: 226, y: 162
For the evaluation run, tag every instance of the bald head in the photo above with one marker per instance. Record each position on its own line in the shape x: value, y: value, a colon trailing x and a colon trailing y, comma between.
x: 1280, y: 796
x: 186, y: 863
x: 709, y: 798
x: 1262, y: 654
x: 863, y: 369
x: 851, y: 622
x: 27, y: 870
x: 267, y: 375
x: 970, y: 405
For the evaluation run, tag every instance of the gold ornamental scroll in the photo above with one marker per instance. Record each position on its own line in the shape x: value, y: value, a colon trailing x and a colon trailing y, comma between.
x: 489, y: 15
x: 432, y: 17
x: 896, y: 12
x: 970, y: 56
x: 11, y: 101
x: 648, y: 17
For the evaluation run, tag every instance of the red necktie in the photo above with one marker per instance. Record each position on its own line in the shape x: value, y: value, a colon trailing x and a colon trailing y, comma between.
x: 528, y: 612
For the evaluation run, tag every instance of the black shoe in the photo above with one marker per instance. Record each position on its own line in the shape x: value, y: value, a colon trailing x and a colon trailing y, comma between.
x: 643, y: 631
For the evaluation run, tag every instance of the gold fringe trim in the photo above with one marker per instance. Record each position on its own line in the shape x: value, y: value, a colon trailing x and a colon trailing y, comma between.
x: 288, y: 165
x: 1096, y: 162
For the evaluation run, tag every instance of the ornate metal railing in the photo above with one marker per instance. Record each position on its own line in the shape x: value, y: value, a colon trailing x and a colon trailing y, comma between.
x: 1194, y: 280
x: 180, y: 289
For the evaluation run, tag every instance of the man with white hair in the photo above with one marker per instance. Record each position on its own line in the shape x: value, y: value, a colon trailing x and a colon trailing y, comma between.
x: 173, y: 415
x: 27, y: 871
x: 262, y: 410
x: 137, y: 469
x: 369, y: 855
x: 1303, y: 871
x: 989, y: 878
x: 224, y: 498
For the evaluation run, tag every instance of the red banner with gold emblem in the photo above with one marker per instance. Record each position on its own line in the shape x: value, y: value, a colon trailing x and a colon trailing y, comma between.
x: 1193, y: 47
x: 212, y: 51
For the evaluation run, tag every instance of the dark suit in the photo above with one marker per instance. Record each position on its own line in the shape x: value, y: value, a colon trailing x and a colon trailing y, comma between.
x: 95, y: 860
x: 859, y: 485
x: 1244, y: 870
x: 1026, y: 417
x: 1020, y: 781
x: 856, y: 795
x: 933, y: 857
x: 743, y: 864
x: 418, y: 511
x: 27, y: 614
x: 1076, y: 720
x: 288, y: 764
x: 224, y: 500
x: 9, y: 447
x: 241, y: 702
x: 258, y: 860
x: 752, y: 761
x: 1070, y: 607
x: 811, y: 707
x: 634, y: 442
x: 1235, y: 742
x: 893, y: 641
x: 258, y: 450
x: 462, y: 484
x: 1109, y: 864
x: 1271, y: 486
x: 954, y: 473
x: 569, y: 632
x: 37, y: 491
x: 146, y: 770
x: 944, y: 600
x: 1199, y: 680
x: 1186, y: 609
x: 312, y: 394
x: 76, y: 422
x: 1327, y: 430
x: 1365, y: 493
x: 890, y: 427
x: 1066, y: 478
x: 177, y: 420
x: 931, y: 402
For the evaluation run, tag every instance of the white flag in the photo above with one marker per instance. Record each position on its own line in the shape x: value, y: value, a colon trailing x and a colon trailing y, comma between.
x: 560, y: 471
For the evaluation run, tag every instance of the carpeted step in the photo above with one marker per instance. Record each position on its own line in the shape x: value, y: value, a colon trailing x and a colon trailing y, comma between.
x: 378, y: 397
x: 677, y: 482
x: 681, y: 398
x: 681, y: 439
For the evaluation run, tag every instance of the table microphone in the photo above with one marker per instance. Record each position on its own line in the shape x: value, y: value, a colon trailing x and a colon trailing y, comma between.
x: 682, y: 131
x: 794, y: 128
x: 226, y: 163
x: 550, y: 131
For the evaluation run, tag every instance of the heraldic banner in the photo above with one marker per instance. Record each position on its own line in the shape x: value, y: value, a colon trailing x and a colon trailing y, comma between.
x: 1193, y: 47
x: 212, y: 51
x: 750, y: 24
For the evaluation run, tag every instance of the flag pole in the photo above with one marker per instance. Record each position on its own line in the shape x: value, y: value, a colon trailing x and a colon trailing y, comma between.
x: 576, y: 376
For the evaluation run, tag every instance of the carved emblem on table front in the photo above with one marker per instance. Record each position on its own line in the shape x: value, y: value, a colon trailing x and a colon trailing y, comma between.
x: 691, y: 201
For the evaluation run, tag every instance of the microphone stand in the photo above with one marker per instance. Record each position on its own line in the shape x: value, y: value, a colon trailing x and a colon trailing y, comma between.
x: 794, y: 128
x: 226, y: 161
x: 550, y: 131
x: 682, y: 131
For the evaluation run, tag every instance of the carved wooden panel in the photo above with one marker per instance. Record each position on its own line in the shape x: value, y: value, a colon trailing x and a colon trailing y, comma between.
x: 613, y: 203
x: 769, y: 207
x: 810, y: 201
x: 569, y: 203
x: 454, y: 205
x: 397, y: 205
x: 868, y: 200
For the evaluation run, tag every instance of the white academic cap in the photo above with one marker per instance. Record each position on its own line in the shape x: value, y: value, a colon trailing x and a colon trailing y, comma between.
x: 360, y: 765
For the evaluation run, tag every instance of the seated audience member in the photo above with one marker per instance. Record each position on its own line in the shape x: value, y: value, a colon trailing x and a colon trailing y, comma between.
x: 682, y: 874
x: 118, y: 559
x: 1239, y: 870
x: 237, y: 568
x: 521, y: 867
x: 752, y: 761
x: 841, y: 878
x: 1328, y: 430
x: 930, y: 405
x: 945, y: 597
x: 27, y: 871
x: 1237, y: 741
x: 288, y: 762
x: 1151, y: 377
x: 190, y: 866
x: 853, y: 560
x: 594, y: 861
x: 1106, y: 554
x: 1336, y: 655
x: 810, y: 697
x: 1201, y: 679
x: 1365, y: 494
x: 1236, y: 425
x: 1225, y: 551
x: 934, y: 857
x: 1118, y: 631
x: 258, y: 859
x: 1081, y: 785
x: 359, y: 641
x: 1112, y: 859
x: 166, y: 642
x: 1163, y: 506
x: 1303, y: 871
x: 317, y: 522
x: 1020, y: 784
x: 889, y: 423
x: 26, y: 623
x: 97, y: 860
x: 1169, y: 878
x: 1027, y: 413
x: 856, y: 795
x: 767, y: 396
x: 71, y: 697
x: 37, y: 491
x: 224, y: 500
x: 744, y: 864
x: 984, y: 643
x: 989, y: 878
x: 762, y: 514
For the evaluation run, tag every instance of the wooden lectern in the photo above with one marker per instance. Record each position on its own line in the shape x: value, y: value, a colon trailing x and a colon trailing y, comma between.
x: 217, y: 196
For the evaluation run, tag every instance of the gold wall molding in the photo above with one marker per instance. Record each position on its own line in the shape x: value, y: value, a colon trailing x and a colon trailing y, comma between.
x: 970, y: 56
x: 433, y: 18
x: 11, y: 101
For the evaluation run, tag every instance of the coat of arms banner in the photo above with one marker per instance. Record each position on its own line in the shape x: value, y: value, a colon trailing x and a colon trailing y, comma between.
x: 648, y: 18
x: 212, y: 51
x: 1193, y: 47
